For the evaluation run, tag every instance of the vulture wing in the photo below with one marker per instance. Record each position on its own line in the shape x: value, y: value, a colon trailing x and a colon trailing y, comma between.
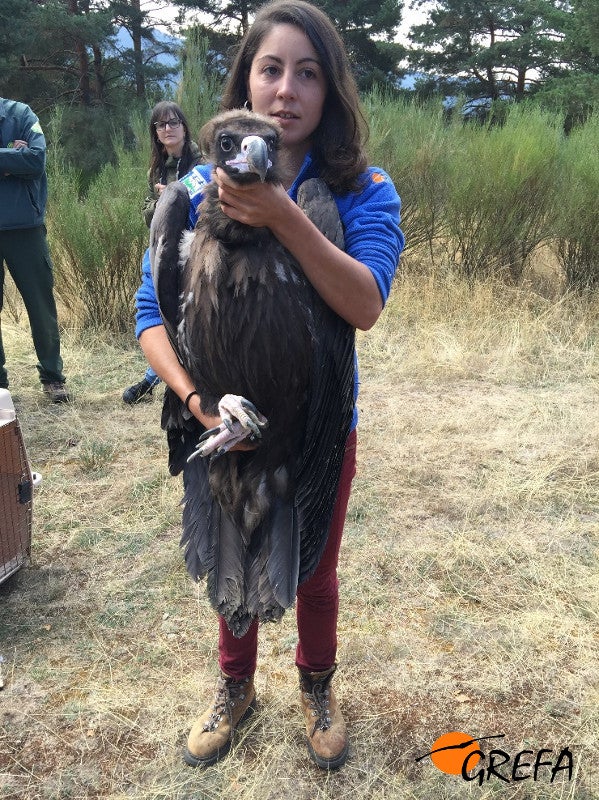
x: 331, y: 397
x: 169, y: 225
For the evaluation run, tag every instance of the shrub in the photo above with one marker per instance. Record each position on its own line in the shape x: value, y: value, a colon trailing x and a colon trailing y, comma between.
x: 200, y: 88
x: 576, y: 222
x: 413, y: 144
x: 98, y: 238
x: 501, y: 189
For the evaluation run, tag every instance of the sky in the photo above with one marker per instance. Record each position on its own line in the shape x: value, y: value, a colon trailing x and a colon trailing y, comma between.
x: 410, y: 16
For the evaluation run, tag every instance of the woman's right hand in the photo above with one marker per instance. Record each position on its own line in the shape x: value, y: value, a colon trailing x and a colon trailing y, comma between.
x: 161, y: 356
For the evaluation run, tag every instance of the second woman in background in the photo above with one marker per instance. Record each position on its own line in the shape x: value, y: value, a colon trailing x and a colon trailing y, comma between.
x: 174, y: 154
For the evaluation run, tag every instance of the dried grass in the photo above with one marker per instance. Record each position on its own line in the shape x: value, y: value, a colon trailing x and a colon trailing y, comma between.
x: 468, y: 571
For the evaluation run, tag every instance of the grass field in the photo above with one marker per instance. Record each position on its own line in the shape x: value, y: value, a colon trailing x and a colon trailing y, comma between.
x: 469, y: 591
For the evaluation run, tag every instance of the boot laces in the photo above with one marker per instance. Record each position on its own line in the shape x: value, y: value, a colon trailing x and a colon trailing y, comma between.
x: 318, y: 700
x: 227, y: 692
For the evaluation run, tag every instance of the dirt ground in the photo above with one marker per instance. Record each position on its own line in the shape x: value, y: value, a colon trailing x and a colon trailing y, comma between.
x: 468, y: 578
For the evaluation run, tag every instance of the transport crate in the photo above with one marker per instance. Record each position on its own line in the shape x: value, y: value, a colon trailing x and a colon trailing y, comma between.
x: 16, y: 492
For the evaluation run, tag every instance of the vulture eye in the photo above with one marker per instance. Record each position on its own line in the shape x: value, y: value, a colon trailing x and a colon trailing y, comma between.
x: 226, y: 144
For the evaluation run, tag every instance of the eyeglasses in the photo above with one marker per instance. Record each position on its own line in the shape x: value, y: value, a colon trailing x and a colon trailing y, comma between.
x: 172, y: 123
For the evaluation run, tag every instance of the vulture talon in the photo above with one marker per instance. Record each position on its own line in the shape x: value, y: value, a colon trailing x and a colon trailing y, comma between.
x: 235, y: 409
x: 218, y: 441
x: 207, y: 434
x: 255, y: 417
x: 254, y: 429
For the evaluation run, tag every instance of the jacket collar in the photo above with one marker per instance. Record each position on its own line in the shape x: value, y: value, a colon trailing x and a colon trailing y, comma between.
x: 307, y: 170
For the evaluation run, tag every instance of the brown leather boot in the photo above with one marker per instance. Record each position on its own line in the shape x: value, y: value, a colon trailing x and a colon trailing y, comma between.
x: 325, y: 726
x: 211, y: 736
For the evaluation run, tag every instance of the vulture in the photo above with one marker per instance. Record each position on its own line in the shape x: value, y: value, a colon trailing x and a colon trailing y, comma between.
x: 269, y: 357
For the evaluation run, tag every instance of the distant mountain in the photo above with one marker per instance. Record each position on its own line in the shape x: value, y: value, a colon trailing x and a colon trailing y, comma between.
x: 123, y: 42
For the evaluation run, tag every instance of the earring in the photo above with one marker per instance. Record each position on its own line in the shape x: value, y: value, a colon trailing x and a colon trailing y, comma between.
x: 247, y: 105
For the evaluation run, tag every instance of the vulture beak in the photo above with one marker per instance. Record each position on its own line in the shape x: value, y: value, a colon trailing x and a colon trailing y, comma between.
x: 253, y: 157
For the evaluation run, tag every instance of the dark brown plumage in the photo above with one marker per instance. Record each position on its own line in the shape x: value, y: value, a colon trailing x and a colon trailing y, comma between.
x: 244, y: 320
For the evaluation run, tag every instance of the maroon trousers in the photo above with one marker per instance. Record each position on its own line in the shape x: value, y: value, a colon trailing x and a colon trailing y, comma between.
x: 317, y: 603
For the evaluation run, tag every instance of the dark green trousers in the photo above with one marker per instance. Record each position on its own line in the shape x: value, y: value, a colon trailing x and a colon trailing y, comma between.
x: 25, y: 253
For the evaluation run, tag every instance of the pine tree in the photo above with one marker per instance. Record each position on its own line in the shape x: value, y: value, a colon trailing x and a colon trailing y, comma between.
x: 495, y: 49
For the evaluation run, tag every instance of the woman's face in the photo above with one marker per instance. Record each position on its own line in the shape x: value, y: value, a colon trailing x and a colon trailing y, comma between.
x: 172, y: 138
x: 287, y: 82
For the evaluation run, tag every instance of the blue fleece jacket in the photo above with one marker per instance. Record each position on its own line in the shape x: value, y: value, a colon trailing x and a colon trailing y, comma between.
x: 370, y: 221
x: 23, y: 186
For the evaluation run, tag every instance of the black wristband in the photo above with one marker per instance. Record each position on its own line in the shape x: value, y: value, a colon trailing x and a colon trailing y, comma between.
x: 188, y: 398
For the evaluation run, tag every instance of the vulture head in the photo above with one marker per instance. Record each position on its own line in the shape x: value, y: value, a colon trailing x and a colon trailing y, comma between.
x: 244, y: 144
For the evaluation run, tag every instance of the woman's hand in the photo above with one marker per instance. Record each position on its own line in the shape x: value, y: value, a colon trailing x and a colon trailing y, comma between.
x: 161, y: 356
x: 260, y: 205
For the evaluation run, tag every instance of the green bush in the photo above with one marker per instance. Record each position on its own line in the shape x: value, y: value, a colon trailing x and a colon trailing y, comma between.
x: 98, y: 238
x: 487, y: 195
x: 501, y: 191
x: 576, y: 223
x: 97, y: 232
x: 414, y: 145
x: 199, y: 91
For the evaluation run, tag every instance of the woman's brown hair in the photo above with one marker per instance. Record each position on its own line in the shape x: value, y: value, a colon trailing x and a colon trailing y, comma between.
x: 164, y: 110
x: 338, y: 141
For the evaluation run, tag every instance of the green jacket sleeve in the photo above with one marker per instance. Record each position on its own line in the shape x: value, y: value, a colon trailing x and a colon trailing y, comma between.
x: 149, y: 205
